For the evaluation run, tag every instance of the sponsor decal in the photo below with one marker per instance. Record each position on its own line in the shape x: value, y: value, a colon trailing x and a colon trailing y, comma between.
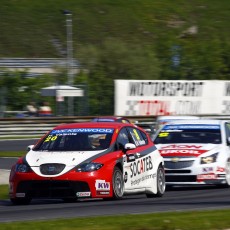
x: 220, y: 169
x: 207, y: 169
x: 210, y: 176
x: 143, y: 178
x: 181, y: 151
x: 82, y: 130
x: 83, y: 194
x: 131, y: 157
x: 104, y: 193
x: 182, y: 147
x: 140, y: 166
x: 193, y: 150
x: 126, y: 177
x: 20, y: 194
x: 102, y: 185
x: 191, y: 126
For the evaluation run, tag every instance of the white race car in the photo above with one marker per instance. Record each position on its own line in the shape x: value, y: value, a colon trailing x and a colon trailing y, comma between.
x: 195, y: 152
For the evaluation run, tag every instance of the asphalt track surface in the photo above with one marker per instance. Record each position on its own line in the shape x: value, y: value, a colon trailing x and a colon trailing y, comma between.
x: 16, y: 145
x: 175, y: 199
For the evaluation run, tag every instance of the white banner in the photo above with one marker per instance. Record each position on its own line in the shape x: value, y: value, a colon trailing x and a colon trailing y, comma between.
x: 165, y: 97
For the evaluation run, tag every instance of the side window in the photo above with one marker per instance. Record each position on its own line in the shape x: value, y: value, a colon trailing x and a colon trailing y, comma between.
x: 138, y: 136
x: 123, y: 138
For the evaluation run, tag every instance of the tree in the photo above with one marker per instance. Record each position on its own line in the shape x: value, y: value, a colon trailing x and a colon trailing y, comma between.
x: 112, y: 60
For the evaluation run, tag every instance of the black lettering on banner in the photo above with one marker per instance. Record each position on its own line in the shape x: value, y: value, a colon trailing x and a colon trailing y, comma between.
x: 188, y: 107
x: 161, y: 88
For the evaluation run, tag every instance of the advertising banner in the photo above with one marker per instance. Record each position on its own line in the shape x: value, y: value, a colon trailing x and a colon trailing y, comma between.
x: 167, y: 97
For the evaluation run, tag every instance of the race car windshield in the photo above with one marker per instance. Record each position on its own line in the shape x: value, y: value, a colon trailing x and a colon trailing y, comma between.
x: 83, y: 139
x: 204, y: 134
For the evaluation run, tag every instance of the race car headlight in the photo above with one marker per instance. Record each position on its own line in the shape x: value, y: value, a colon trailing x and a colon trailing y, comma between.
x: 23, y: 168
x: 209, y: 159
x: 89, y: 167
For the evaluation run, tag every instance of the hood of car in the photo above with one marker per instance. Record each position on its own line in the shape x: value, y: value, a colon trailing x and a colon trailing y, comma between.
x: 66, y: 160
x: 187, y: 150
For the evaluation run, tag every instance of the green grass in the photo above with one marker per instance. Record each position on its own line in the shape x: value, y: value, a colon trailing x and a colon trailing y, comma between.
x: 193, y: 220
x: 27, y: 27
x: 3, y: 192
x: 12, y: 153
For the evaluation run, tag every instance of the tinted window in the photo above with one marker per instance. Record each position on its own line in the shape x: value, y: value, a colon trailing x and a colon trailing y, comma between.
x: 138, y: 136
x: 123, y: 138
x: 83, y: 139
x: 189, y: 134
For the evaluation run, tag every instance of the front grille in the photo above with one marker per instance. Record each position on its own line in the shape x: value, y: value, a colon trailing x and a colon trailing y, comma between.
x: 178, y: 164
x: 184, y: 178
x: 52, y: 188
x: 51, y: 169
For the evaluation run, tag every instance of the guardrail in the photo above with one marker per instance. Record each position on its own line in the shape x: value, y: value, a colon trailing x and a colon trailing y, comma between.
x: 38, y: 126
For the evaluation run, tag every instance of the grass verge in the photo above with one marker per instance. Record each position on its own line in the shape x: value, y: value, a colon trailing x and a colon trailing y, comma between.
x: 194, y: 220
x: 158, y: 221
x: 4, y: 192
x: 12, y: 154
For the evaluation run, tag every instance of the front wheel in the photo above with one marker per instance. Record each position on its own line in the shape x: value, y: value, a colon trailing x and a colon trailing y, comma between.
x: 118, y: 184
x: 160, y: 183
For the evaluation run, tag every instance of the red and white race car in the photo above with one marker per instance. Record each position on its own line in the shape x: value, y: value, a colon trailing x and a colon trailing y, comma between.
x: 89, y: 160
x: 196, y: 152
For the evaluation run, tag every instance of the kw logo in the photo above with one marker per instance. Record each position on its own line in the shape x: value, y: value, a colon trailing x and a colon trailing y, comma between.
x: 102, y: 185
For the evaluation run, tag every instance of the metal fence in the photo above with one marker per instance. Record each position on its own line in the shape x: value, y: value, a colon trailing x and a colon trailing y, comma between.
x: 37, y: 126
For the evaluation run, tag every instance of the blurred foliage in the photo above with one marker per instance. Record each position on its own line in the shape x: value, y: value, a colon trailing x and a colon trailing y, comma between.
x: 132, y: 39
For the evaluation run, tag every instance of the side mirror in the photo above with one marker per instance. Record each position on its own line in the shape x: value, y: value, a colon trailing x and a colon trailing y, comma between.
x: 130, y: 157
x: 30, y: 147
x: 129, y: 146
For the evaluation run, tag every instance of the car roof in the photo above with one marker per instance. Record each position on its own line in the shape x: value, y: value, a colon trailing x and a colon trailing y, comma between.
x: 114, y: 125
x: 111, y: 119
x: 200, y: 121
x: 178, y: 117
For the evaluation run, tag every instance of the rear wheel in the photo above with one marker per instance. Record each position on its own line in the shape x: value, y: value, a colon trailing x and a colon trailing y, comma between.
x: 160, y: 183
x: 118, y: 184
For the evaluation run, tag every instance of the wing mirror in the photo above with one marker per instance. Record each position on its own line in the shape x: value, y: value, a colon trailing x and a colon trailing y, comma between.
x: 129, y: 146
x: 130, y: 157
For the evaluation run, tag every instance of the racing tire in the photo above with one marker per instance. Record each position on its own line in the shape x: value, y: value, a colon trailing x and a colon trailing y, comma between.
x: 160, y: 183
x: 118, y: 184
x: 20, y: 201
